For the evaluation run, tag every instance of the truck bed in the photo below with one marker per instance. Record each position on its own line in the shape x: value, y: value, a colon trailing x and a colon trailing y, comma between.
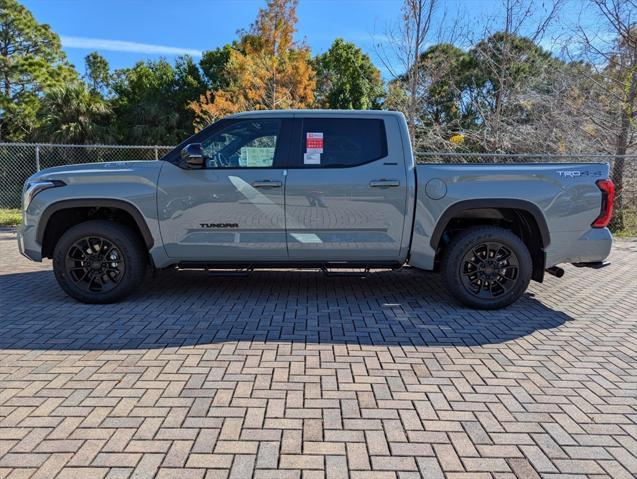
x: 563, y: 197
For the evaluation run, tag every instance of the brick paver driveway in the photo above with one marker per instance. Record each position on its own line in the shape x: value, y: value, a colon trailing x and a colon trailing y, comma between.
x: 283, y: 374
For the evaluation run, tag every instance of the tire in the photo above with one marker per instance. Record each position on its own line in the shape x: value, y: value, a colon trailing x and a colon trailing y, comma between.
x: 500, y: 280
x: 99, y: 272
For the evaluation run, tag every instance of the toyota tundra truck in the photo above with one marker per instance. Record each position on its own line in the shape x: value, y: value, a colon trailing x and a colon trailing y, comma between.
x: 315, y: 189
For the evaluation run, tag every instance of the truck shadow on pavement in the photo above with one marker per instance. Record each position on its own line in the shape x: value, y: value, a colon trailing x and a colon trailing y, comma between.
x: 175, y: 309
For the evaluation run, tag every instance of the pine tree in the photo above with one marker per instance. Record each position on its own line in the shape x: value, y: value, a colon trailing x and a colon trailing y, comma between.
x: 31, y: 62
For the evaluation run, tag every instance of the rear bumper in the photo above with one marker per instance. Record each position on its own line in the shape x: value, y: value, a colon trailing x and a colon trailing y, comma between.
x: 593, y: 246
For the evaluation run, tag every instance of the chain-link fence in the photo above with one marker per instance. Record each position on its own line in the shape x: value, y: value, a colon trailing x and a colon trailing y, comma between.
x: 628, y: 193
x: 18, y: 161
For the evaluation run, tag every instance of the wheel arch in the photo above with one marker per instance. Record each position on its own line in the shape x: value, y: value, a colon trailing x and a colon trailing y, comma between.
x: 459, y: 208
x: 526, y: 216
x: 45, y: 235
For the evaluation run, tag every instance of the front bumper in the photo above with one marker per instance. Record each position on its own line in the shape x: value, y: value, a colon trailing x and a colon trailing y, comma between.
x: 27, y: 243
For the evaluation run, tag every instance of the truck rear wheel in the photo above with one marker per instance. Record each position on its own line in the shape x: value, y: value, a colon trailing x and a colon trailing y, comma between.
x: 487, y: 267
x: 99, y: 261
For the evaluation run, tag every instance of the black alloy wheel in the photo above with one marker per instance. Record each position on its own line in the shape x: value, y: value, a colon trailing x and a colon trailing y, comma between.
x: 486, y: 267
x: 100, y: 261
x: 489, y: 270
x: 95, y: 264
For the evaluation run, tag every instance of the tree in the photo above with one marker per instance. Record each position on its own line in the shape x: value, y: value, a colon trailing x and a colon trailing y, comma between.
x: 267, y: 70
x: 97, y: 73
x: 71, y: 114
x: 346, y: 78
x: 405, y: 43
x: 445, y: 71
x: 506, y: 67
x: 614, y: 63
x: 607, y: 53
x: 31, y: 62
x: 214, y: 65
x: 622, y: 71
x: 455, y: 99
x: 442, y: 93
x: 151, y: 101
x: 509, y: 56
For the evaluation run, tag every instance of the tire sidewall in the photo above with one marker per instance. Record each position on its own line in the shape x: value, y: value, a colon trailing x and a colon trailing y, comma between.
x: 470, y: 238
x: 127, y: 243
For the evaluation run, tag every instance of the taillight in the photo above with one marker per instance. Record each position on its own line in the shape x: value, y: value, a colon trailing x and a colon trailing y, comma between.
x: 608, y: 198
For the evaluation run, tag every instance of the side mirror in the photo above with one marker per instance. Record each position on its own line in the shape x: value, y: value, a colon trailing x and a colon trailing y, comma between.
x: 192, y: 156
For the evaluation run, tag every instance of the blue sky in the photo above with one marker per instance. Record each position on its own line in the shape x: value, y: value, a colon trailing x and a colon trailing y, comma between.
x: 126, y: 31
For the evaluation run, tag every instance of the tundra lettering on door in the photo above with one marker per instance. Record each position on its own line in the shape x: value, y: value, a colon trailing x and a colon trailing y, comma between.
x: 219, y: 225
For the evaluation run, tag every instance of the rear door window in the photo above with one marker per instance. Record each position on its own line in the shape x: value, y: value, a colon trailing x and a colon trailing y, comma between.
x: 342, y: 142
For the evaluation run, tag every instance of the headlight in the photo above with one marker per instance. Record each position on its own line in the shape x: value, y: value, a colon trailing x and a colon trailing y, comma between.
x: 32, y: 188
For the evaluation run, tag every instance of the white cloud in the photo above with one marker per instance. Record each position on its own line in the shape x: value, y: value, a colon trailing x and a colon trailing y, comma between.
x: 123, y: 46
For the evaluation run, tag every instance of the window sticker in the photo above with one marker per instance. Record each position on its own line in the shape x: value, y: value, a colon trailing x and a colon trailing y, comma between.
x: 313, y: 148
x: 312, y: 159
x: 314, y: 141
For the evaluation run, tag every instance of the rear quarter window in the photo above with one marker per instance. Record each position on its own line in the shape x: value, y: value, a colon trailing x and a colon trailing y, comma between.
x: 342, y: 142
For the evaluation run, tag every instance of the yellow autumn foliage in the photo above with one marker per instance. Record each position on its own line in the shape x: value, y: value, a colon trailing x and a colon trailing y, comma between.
x: 457, y: 139
x: 268, y: 71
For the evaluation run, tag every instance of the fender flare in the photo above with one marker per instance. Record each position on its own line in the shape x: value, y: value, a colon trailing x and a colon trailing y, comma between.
x: 458, y: 208
x: 95, y: 203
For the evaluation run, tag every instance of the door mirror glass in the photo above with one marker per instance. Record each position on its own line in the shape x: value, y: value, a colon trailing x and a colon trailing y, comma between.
x: 192, y: 156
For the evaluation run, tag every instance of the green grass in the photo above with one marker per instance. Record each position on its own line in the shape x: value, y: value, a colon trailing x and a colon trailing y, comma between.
x: 10, y: 217
x: 630, y: 225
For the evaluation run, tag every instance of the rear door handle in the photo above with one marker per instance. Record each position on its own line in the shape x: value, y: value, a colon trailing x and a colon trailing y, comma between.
x: 267, y: 184
x: 384, y: 183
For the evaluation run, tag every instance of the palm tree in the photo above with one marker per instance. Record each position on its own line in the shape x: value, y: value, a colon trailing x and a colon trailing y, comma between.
x: 73, y: 115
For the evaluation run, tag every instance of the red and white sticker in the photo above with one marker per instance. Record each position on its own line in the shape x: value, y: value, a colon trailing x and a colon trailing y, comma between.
x: 313, y: 148
x: 314, y: 141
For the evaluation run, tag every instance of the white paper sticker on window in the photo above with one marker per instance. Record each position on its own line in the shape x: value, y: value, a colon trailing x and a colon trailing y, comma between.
x: 312, y: 159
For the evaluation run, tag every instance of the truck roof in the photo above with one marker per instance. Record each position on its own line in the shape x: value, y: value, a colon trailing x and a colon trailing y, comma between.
x: 316, y: 113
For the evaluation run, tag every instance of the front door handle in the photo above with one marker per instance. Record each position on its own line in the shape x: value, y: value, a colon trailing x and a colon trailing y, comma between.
x: 384, y: 183
x: 267, y: 184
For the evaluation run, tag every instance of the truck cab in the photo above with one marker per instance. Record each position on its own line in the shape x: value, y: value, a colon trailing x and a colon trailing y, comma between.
x: 303, y: 187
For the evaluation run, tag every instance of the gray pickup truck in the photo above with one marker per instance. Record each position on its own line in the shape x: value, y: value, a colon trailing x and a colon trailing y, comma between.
x: 316, y: 189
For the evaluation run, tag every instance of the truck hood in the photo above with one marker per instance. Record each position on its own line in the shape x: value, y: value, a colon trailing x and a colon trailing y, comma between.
x: 85, y: 171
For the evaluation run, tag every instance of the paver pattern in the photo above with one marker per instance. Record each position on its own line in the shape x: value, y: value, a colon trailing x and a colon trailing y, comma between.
x: 292, y: 374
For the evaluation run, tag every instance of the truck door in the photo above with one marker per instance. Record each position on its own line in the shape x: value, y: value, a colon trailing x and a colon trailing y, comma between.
x: 346, y: 191
x: 233, y: 208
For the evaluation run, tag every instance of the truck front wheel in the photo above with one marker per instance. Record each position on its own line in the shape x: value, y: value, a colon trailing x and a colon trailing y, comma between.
x: 99, y: 261
x: 486, y: 267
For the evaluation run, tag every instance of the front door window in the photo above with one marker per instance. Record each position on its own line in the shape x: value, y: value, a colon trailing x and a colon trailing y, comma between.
x: 244, y: 144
